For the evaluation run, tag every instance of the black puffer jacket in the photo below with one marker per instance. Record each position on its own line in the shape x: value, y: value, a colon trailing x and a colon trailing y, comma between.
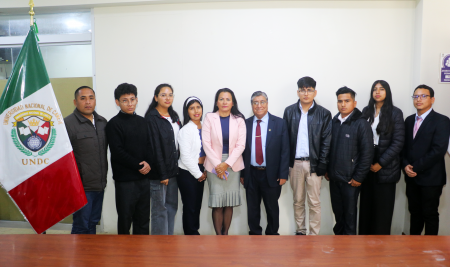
x: 390, y: 146
x: 90, y: 146
x: 351, y: 150
x: 165, y: 151
x: 319, y: 133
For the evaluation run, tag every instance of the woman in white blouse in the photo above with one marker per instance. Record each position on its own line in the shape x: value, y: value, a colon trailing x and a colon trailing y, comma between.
x: 191, y: 175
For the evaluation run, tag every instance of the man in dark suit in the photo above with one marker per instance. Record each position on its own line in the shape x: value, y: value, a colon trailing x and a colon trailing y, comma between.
x: 266, y: 160
x: 426, y: 141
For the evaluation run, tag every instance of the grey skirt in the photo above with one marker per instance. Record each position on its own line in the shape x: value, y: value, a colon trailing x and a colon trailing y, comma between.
x: 224, y: 193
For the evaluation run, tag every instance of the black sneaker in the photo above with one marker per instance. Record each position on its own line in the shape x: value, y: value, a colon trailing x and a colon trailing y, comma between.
x: 300, y: 233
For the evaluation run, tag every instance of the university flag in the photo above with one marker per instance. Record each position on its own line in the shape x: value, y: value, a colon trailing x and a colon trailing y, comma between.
x: 37, y: 165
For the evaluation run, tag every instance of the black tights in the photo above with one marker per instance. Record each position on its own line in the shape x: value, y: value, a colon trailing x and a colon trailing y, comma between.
x: 222, y: 219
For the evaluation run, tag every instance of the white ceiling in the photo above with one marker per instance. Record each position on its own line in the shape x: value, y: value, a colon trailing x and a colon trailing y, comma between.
x: 8, y: 7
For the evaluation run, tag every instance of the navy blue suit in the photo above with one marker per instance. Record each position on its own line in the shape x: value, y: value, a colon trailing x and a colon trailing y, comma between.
x: 263, y: 184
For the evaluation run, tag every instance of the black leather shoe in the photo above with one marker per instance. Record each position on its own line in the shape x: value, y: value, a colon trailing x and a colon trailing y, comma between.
x: 300, y: 233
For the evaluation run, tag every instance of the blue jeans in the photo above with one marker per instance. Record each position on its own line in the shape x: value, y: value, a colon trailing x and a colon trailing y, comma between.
x: 164, y: 205
x: 86, y: 219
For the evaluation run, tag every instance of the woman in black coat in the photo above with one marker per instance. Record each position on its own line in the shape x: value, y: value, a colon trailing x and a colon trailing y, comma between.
x: 378, y: 190
x: 164, y: 125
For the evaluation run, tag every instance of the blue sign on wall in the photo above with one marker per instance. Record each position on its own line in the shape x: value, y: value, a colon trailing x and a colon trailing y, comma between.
x: 445, y: 68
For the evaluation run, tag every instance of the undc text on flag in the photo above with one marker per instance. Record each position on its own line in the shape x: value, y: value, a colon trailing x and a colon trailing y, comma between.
x: 37, y: 165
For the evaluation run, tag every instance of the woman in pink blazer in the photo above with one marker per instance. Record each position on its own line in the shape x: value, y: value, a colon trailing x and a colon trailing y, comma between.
x: 223, y: 137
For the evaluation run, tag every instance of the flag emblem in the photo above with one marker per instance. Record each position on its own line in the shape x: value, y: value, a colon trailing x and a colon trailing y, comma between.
x: 33, y: 133
x: 46, y: 188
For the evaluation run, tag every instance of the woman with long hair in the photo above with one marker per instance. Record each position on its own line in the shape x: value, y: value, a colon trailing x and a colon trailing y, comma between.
x: 191, y: 173
x: 378, y: 190
x: 164, y: 125
x: 223, y: 138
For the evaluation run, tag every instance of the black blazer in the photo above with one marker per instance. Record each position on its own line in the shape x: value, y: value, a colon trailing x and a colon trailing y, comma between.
x: 277, y: 151
x: 165, y: 165
x: 426, y: 152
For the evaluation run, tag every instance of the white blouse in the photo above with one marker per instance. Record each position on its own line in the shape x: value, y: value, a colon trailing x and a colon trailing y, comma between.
x: 376, y: 136
x: 190, y: 146
x: 176, y: 129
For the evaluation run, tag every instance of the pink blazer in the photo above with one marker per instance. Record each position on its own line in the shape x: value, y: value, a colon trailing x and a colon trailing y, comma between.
x: 212, y: 141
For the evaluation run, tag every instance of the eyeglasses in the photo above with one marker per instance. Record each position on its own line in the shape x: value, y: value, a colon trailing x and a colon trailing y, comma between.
x: 303, y: 91
x: 262, y: 103
x: 415, y: 97
x: 127, y: 103
x: 168, y: 96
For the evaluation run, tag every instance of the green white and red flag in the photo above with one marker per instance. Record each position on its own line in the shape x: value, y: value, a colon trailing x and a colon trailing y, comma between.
x: 37, y: 165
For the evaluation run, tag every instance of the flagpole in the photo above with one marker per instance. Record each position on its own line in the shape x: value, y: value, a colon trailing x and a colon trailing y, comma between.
x: 31, y: 12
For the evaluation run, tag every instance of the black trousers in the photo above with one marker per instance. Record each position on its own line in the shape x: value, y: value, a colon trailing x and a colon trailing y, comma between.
x: 344, y: 200
x: 133, y: 206
x: 376, y: 204
x: 423, y: 204
x: 258, y: 188
x: 191, y: 191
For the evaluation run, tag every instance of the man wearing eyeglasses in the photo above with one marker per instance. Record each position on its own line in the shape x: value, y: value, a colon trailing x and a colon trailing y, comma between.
x: 426, y: 142
x: 266, y: 161
x: 309, y: 128
x: 131, y: 156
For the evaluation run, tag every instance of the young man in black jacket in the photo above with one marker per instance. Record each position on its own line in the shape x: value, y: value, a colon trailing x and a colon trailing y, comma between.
x: 426, y: 141
x: 131, y: 154
x: 350, y: 156
x: 309, y: 129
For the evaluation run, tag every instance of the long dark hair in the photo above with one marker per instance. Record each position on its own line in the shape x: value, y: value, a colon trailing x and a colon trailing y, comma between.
x: 186, y: 106
x: 234, y: 109
x: 173, y: 114
x: 386, y: 123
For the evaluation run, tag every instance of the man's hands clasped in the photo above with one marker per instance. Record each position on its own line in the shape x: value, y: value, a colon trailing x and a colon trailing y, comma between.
x: 145, y: 169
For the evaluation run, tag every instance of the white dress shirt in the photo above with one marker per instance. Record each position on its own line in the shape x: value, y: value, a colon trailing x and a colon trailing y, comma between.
x: 343, y: 119
x: 423, y: 116
x: 263, y: 124
x: 302, y: 150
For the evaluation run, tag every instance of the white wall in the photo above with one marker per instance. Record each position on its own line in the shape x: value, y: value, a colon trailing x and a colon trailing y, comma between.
x: 249, y: 46
x: 433, y: 38
x: 68, y: 61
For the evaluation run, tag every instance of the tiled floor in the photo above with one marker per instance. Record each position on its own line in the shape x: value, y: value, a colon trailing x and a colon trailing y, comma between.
x: 13, y: 231
x: 26, y: 231
x: 22, y: 227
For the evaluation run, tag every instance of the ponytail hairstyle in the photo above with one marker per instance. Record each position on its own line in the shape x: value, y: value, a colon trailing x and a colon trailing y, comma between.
x: 173, y: 114
x: 386, y: 124
x: 234, y: 109
x: 189, y: 101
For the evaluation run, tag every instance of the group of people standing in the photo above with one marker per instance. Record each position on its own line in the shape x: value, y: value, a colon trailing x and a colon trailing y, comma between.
x: 358, y: 152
